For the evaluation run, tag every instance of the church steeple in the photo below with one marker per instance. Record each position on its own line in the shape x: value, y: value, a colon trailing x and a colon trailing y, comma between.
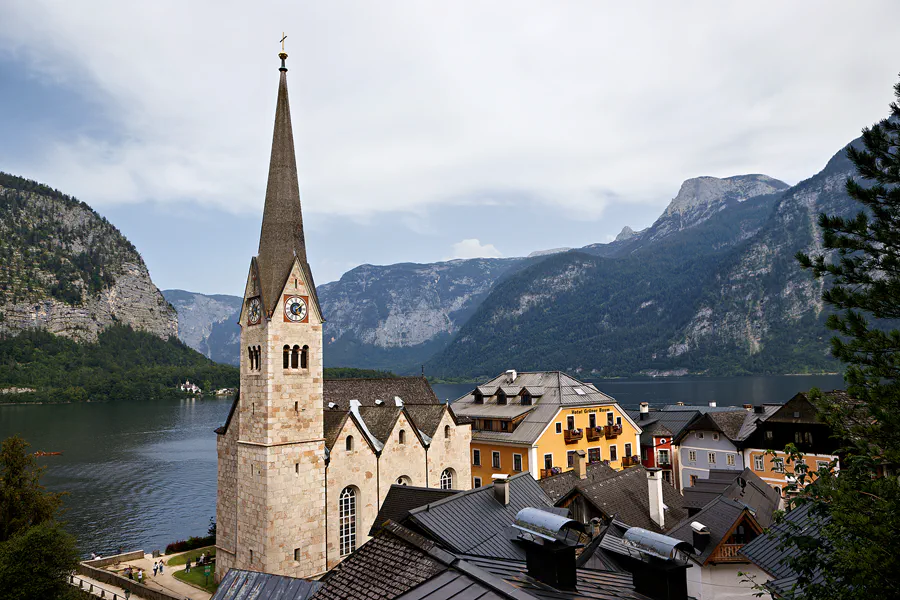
x: 281, y: 238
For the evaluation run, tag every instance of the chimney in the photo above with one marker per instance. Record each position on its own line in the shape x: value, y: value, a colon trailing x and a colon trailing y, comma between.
x: 748, y: 407
x: 581, y: 464
x: 398, y: 401
x: 657, y: 510
x: 645, y: 410
x: 501, y: 489
x: 511, y: 376
x: 712, y: 403
x: 679, y: 404
x: 701, y: 536
x: 552, y: 563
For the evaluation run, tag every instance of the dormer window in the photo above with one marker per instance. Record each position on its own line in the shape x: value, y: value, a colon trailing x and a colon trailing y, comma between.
x: 526, y: 399
x: 479, y: 397
x: 501, y: 398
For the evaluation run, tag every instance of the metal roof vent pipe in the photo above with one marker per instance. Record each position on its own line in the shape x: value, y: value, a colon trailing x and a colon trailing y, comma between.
x: 645, y: 410
x: 581, y: 464
x: 501, y: 489
x: 712, y: 403
x: 701, y: 536
x: 511, y: 376
x: 551, y: 542
x: 657, y: 507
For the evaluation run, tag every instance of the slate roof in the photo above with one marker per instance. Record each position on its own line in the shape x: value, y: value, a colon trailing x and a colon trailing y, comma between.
x: 745, y: 487
x: 380, y: 420
x: 626, y: 495
x: 401, y: 499
x: 665, y: 422
x: 334, y: 421
x: 767, y: 553
x: 559, y: 391
x: 281, y: 238
x: 412, y: 390
x: 474, y: 522
x: 250, y: 585
x: 558, y: 486
x: 398, y: 563
x: 753, y: 419
x: 719, y: 516
x: 426, y: 417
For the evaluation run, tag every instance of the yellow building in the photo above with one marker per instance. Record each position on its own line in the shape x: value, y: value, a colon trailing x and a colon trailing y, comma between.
x: 537, y: 422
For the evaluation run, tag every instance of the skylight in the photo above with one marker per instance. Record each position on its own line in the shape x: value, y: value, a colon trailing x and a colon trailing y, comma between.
x: 579, y: 391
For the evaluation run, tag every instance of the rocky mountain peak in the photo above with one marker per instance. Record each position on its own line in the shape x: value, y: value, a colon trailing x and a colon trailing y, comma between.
x: 700, y: 192
x: 626, y: 233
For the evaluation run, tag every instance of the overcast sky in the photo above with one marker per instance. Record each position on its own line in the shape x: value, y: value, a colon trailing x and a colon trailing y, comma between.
x: 424, y: 130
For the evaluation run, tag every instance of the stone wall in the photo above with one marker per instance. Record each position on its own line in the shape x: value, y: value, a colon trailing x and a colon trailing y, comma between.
x: 453, y: 452
x: 137, y: 589
x: 111, y: 560
x: 401, y: 460
x: 226, y: 499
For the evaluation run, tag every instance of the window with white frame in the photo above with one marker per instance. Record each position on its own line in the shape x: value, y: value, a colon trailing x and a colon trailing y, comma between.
x: 477, y: 482
x: 594, y: 455
x: 758, y: 464
x: 712, y: 458
x: 822, y: 464
x: 476, y: 457
x: 692, y: 456
x: 613, y: 453
x: 699, y: 435
x: 662, y: 457
x: 447, y: 479
x: 729, y: 459
x: 548, y: 461
x: 559, y: 428
x: 495, y: 460
x: 517, y: 462
x: 778, y: 465
x: 347, y: 520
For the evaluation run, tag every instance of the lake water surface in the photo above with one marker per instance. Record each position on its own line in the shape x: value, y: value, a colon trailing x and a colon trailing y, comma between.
x: 141, y: 475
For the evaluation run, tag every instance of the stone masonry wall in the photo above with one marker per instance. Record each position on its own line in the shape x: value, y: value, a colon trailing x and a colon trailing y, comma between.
x: 452, y: 452
x: 357, y: 468
x: 398, y: 460
x: 226, y: 525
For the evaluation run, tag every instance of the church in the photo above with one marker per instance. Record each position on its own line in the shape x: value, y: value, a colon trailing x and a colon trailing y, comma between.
x: 304, y: 463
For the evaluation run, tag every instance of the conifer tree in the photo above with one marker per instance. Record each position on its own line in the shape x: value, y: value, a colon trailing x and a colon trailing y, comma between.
x: 856, y: 555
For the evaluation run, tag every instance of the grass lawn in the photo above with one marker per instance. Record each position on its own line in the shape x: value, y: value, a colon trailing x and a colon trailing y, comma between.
x: 193, y: 555
x: 197, y: 578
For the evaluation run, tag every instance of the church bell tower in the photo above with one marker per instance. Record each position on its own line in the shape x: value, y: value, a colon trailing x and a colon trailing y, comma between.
x: 273, y: 450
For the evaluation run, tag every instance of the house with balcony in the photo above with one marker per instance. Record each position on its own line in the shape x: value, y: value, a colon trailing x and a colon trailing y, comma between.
x: 719, y: 530
x: 659, y: 429
x: 538, y: 421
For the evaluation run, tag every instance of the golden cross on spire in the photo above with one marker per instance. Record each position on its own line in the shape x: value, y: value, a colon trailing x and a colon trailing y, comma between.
x: 283, y: 37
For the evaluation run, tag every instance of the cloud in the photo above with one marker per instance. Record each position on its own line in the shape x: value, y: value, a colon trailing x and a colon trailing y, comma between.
x: 473, y: 248
x: 402, y: 107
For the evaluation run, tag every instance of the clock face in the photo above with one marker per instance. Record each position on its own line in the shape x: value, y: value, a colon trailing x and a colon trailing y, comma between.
x: 254, y: 312
x: 295, y: 309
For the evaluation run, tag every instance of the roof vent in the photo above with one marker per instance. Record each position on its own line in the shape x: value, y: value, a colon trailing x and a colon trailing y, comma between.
x: 654, y: 544
x: 645, y: 407
x: 511, y: 375
x: 398, y: 401
x: 501, y: 489
x: 331, y: 405
x: 701, y: 536
x: 379, y: 402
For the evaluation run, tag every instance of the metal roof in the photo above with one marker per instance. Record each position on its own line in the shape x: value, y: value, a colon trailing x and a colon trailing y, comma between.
x: 663, y: 422
x: 655, y: 544
x: 401, y: 499
x: 559, y: 391
x: 544, y: 524
x: 250, y: 585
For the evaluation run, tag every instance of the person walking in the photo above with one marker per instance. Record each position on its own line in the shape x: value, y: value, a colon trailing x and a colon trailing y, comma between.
x: 155, y: 568
x: 187, y: 567
x: 160, y: 566
x: 140, y: 576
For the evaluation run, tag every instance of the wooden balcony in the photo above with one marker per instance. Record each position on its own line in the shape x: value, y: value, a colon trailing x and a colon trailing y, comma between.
x: 726, y: 553
x: 612, y: 431
x: 594, y: 433
x: 572, y: 435
x: 631, y: 461
x: 550, y: 472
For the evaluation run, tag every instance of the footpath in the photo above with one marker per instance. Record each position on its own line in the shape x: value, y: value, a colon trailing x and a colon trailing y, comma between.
x: 164, y: 583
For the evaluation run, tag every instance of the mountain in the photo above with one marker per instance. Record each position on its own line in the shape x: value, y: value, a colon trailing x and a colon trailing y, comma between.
x: 67, y: 270
x: 208, y: 323
x: 711, y: 287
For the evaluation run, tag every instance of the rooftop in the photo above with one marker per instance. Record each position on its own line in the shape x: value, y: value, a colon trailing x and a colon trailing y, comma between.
x: 401, y: 499
x: 250, y: 585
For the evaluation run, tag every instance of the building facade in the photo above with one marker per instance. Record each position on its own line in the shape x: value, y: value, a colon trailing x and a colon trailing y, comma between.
x: 303, y: 464
x: 707, y: 443
x: 537, y: 422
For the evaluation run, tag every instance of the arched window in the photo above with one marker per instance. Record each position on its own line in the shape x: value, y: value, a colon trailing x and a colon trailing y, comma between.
x: 402, y: 436
x: 349, y: 443
x: 447, y: 431
x: 304, y: 357
x: 447, y: 479
x: 250, y: 357
x: 347, y: 520
x: 295, y: 357
x: 287, y: 356
x: 258, y: 357
x: 404, y: 480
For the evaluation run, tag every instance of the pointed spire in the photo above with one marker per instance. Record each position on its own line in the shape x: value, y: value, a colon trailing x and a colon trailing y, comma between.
x: 281, y: 238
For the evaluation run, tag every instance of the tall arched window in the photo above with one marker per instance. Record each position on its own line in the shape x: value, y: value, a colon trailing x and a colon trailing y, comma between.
x: 349, y: 443
x: 447, y: 479
x: 304, y: 357
x: 447, y: 431
x: 347, y: 520
x: 287, y: 356
x: 295, y: 357
x: 402, y: 436
x: 250, y: 357
x: 258, y: 357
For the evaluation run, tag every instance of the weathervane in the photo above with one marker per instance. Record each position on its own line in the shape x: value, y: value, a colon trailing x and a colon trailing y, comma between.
x: 282, y: 55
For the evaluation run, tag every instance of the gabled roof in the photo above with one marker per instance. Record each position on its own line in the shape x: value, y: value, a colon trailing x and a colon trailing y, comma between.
x: 426, y: 417
x: 559, y: 486
x: 744, y: 487
x: 768, y: 553
x: 401, y: 499
x: 665, y: 422
x: 250, y: 585
x: 753, y: 420
x: 559, y: 391
x: 334, y: 422
x: 411, y: 390
x: 719, y: 516
x: 474, y: 522
x: 728, y: 423
x: 380, y: 420
x: 399, y: 563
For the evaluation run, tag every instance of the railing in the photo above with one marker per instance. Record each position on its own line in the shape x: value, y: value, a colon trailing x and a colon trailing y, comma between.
x: 572, y: 435
x: 92, y: 588
x: 550, y: 472
x: 728, y: 553
x: 594, y: 433
x: 630, y: 461
x: 612, y: 431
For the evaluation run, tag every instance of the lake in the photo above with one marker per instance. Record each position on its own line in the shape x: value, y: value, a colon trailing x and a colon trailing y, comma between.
x: 142, y: 475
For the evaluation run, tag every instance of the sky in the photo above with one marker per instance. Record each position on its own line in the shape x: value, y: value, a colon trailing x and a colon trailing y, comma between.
x: 424, y: 131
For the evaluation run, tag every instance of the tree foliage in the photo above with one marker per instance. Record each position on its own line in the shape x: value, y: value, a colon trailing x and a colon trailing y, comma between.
x: 856, y: 554
x: 36, y: 553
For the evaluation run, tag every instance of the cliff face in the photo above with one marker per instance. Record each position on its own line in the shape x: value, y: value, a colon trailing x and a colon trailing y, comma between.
x: 208, y: 323
x: 65, y: 269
